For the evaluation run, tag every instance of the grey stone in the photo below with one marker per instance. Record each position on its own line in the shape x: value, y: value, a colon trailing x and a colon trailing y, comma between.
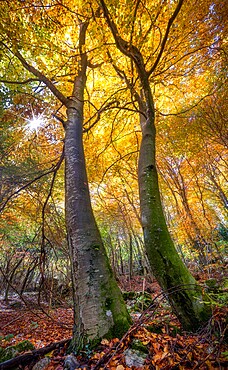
x: 134, y: 358
x: 71, y: 363
x: 42, y: 364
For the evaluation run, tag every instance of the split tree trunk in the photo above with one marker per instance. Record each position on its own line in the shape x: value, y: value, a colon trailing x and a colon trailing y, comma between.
x: 99, y: 309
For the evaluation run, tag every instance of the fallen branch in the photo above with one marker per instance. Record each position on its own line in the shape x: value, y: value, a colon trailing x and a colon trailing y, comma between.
x: 31, y: 356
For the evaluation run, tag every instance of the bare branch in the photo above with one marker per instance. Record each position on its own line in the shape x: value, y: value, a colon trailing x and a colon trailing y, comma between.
x: 125, y: 47
x: 20, y: 82
x: 105, y: 107
x: 42, y: 252
x: 60, y: 119
x: 171, y: 20
x: 40, y: 76
x: 51, y: 170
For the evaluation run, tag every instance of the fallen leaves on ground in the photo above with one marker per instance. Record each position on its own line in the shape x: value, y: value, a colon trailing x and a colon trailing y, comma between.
x: 159, y: 332
x: 167, y: 351
x: 35, y: 325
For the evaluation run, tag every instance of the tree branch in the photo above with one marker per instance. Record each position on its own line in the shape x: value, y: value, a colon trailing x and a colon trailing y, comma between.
x: 39, y: 75
x: 130, y: 86
x: 171, y: 20
x: 125, y: 47
x: 20, y: 82
x: 104, y: 108
x: 51, y: 170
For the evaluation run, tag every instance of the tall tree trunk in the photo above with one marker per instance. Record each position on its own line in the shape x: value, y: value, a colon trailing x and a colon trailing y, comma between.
x: 167, y: 266
x: 99, y: 309
x: 130, y: 256
x: 121, y: 267
x: 186, y: 298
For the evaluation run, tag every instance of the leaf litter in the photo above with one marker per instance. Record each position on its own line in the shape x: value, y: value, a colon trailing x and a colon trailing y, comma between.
x: 156, y: 331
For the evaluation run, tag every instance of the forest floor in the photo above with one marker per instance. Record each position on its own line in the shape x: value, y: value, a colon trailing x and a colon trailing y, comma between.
x: 155, y: 341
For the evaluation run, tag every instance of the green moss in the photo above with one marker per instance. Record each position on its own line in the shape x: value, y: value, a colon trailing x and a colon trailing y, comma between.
x: 138, y: 346
x: 211, y: 283
x: 120, y: 327
x: 85, y: 345
x: 155, y: 328
x: 113, y: 302
x: 225, y: 283
x: 12, y: 351
x: 95, y: 247
x: 108, y: 303
x: 25, y: 345
x: 128, y: 295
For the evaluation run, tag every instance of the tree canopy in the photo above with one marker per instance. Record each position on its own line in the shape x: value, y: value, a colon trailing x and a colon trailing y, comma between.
x: 172, y: 54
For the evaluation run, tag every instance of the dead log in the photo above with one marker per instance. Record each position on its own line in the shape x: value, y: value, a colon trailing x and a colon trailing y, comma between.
x: 34, y: 355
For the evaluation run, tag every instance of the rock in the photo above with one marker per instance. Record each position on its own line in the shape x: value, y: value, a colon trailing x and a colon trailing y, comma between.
x: 42, y: 364
x: 71, y: 363
x: 134, y: 358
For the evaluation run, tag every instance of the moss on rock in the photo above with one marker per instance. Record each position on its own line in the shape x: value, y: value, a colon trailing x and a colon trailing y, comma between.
x: 139, y: 346
x: 12, y: 351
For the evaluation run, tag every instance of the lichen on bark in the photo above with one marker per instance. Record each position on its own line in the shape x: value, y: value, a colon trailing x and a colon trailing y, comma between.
x: 99, y: 308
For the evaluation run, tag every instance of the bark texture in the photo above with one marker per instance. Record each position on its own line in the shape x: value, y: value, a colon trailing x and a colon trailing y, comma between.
x: 185, y: 296
x: 99, y: 307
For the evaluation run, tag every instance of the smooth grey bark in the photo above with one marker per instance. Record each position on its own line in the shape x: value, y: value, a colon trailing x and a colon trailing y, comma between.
x: 99, y: 307
x: 98, y: 303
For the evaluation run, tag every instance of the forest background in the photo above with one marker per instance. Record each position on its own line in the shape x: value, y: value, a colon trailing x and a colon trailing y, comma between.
x: 190, y: 98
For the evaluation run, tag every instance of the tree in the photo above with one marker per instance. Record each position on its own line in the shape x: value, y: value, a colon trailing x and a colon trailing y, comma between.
x: 186, y: 297
x: 90, y: 267
x: 164, y: 54
x: 99, y: 309
x: 193, y: 171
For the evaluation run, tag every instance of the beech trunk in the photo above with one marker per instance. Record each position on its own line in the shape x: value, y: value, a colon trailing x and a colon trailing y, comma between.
x: 99, y: 309
x: 185, y: 295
